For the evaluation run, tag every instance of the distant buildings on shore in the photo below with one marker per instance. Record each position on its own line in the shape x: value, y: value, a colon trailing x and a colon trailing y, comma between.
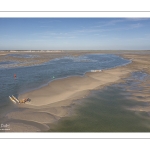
x: 49, y: 51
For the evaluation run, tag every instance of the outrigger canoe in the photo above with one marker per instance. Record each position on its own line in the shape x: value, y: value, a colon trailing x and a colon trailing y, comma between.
x: 12, y: 99
x: 15, y: 99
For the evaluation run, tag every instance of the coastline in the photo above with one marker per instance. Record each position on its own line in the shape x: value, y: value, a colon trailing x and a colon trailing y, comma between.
x: 52, y: 102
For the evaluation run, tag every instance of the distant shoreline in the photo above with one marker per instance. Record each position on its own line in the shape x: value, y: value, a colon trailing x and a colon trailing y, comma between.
x: 60, y: 51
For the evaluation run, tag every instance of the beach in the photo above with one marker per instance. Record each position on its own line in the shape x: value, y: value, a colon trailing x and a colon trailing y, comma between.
x: 56, y: 99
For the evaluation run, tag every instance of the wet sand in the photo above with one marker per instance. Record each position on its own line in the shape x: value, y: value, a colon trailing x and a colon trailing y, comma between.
x: 54, y: 101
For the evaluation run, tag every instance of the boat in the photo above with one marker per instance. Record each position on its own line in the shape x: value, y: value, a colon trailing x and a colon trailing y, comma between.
x: 96, y: 70
x: 12, y: 99
x: 15, y: 99
x: 25, y: 100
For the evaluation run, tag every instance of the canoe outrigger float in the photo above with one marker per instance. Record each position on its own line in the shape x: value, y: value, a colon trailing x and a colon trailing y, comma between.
x: 15, y: 100
x: 12, y: 99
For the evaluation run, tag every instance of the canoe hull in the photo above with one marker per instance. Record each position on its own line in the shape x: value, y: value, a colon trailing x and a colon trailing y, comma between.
x: 12, y: 99
x: 15, y: 98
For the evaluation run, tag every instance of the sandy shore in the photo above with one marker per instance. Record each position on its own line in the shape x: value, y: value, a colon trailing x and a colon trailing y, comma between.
x: 54, y: 101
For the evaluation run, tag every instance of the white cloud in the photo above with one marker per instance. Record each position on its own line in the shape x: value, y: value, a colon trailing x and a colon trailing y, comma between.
x: 137, y: 25
x: 137, y: 19
x: 114, y: 22
x: 105, y: 27
x: 65, y: 37
x: 109, y: 23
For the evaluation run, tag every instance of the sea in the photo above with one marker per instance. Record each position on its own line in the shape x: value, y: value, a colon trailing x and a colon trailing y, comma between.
x: 33, y: 77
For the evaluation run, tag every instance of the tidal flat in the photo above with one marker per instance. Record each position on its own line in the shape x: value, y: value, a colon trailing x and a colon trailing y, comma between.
x: 113, y: 100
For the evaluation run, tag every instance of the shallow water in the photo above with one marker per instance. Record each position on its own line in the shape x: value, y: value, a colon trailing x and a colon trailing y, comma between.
x: 7, y: 64
x: 22, y: 55
x: 105, y: 111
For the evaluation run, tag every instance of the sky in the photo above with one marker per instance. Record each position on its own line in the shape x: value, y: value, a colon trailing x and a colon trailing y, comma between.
x: 74, y: 33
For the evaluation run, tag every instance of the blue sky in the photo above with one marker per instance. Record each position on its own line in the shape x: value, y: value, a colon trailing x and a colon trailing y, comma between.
x: 74, y: 33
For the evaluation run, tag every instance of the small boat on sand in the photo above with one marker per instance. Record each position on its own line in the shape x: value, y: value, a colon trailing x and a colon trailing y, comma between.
x: 96, y: 70
x: 15, y: 98
x: 12, y: 99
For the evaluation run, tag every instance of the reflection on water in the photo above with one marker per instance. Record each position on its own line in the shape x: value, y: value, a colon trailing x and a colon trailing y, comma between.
x: 105, y: 111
